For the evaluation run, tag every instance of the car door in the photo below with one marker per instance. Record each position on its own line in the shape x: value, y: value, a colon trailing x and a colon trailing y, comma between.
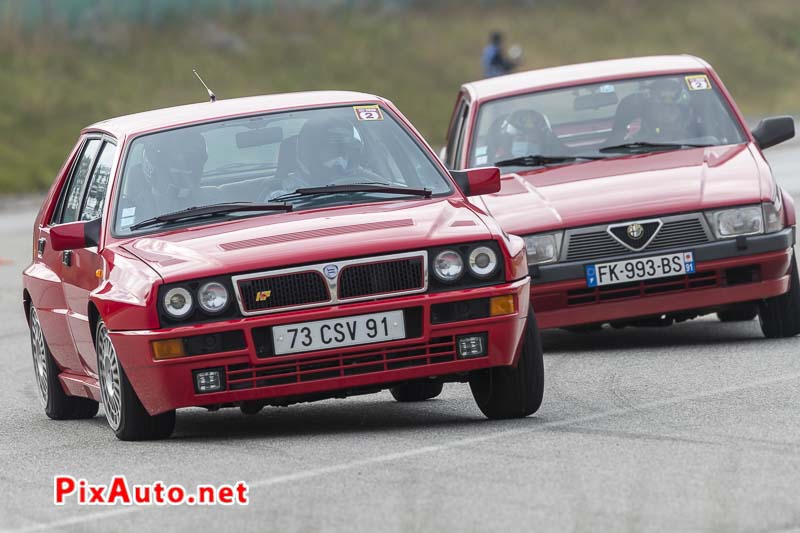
x: 51, y: 303
x: 80, y: 267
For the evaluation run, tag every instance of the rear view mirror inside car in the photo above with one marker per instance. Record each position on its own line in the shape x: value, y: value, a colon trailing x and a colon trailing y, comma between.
x: 259, y: 137
x: 595, y: 100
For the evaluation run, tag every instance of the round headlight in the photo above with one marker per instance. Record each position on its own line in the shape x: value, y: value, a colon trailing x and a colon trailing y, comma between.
x: 448, y: 265
x: 212, y: 297
x: 178, y: 303
x: 482, y: 262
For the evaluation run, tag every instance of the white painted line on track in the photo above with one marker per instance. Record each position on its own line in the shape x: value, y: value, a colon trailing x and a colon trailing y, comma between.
x: 424, y: 450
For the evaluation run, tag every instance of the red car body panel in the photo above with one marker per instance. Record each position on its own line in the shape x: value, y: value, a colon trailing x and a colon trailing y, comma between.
x: 631, y: 187
x: 119, y: 279
x: 550, y: 300
x: 381, y: 227
x: 164, y: 385
x: 628, y: 188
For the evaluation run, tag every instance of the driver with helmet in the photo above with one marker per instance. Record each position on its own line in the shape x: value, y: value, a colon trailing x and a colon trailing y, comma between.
x: 667, y: 115
x: 525, y: 132
x: 168, y: 177
x: 329, y: 152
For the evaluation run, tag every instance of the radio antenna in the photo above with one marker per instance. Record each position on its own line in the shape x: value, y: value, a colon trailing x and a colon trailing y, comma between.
x: 211, y: 95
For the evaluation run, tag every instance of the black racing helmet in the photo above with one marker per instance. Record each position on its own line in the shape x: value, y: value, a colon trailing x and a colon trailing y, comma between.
x: 174, y: 159
x: 327, y: 145
x: 667, y: 100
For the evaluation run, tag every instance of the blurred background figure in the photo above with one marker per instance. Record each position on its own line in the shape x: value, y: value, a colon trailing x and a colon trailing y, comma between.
x: 493, y: 60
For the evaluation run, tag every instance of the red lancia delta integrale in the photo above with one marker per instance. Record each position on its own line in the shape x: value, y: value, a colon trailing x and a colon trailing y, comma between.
x: 642, y: 197
x: 267, y: 251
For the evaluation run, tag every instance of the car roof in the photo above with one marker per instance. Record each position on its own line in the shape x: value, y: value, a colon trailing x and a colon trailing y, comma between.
x: 206, y: 111
x: 581, y: 72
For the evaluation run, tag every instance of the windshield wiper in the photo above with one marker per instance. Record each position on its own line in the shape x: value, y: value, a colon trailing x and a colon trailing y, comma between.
x: 353, y: 187
x: 210, y: 210
x: 534, y: 160
x: 645, y: 145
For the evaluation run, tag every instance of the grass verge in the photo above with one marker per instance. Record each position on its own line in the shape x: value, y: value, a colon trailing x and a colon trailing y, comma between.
x: 52, y: 84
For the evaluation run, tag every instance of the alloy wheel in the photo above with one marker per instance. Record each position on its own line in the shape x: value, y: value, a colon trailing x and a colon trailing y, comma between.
x: 109, y: 373
x: 39, y: 351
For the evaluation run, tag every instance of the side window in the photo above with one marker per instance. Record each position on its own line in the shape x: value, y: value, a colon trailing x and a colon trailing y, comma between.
x: 93, y: 206
x: 72, y: 196
x: 456, y: 134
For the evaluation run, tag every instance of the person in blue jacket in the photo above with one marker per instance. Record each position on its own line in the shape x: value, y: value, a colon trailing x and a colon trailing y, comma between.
x: 493, y: 60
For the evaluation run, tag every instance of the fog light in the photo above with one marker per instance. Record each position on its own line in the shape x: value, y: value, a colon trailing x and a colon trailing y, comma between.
x: 471, y: 345
x: 502, y: 305
x: 168, y: 349
x: 208, y: 380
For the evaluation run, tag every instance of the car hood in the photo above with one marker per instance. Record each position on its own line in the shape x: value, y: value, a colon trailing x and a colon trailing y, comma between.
x: 630, y: 187
x: 284, y: 239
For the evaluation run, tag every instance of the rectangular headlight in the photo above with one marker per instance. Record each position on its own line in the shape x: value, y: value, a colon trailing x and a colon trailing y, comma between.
x: 729, y: 223
x: 543, y: 248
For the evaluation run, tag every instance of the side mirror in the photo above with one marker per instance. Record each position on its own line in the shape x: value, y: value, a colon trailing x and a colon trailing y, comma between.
x: 478, y: 181
x: 774, y: 130
x: 75, y: 235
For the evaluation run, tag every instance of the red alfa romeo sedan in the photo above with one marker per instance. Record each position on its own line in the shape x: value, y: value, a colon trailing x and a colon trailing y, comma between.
x: 267, y: 251
x: 642, y: 196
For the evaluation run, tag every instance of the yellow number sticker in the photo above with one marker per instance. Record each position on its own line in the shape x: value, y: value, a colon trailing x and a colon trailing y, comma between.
x: 368, y: 112
x: 699, y: 82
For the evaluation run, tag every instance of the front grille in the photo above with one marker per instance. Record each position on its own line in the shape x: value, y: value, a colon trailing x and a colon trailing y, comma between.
x: 270, y: 292
x: 679, y: 233
x: 593, y: 245
x: 598, y: 243
x: 381, y: 278
x: 637, y: 289
x: 299, y: 369
x: 330, y: 283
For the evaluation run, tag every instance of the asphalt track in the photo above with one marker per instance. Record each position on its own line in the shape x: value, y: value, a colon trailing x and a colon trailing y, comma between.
x: 690, y: 428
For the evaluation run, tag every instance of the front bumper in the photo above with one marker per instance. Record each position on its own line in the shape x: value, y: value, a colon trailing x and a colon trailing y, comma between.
x: 165, y: 385
x: 727, y: 271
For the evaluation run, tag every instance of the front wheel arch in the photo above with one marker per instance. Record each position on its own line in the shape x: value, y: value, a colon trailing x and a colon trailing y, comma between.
x: 26, y: 303
x: 94, y: 318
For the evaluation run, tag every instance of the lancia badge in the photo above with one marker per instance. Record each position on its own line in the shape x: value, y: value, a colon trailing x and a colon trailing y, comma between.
x: 330, y: 271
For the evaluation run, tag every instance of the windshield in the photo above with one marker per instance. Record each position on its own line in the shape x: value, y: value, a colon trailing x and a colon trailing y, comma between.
x: 581, y: 121
x: 266, y: 158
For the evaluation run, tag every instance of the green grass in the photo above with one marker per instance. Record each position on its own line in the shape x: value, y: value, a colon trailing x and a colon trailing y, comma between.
x: 51, y: 85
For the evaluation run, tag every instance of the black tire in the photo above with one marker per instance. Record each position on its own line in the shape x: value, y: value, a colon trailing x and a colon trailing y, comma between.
x: 57, y: 404
x: 742, y: 312
x: 513, y: 392
x: 780, y: 316
x: 416, y: 391
x: 251, y: 408
x: 125, y: 413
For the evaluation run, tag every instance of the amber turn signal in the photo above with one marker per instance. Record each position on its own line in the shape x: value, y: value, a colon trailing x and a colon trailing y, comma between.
x: 168, y: 349
x: 502, y: 305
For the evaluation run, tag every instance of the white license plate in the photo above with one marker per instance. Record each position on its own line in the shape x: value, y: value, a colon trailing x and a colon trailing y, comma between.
x: 338, y: 332
x: 660, y: 266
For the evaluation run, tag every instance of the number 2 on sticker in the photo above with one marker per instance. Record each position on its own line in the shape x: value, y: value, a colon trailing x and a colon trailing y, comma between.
x: 698, y: 83
x: 368, y: 113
